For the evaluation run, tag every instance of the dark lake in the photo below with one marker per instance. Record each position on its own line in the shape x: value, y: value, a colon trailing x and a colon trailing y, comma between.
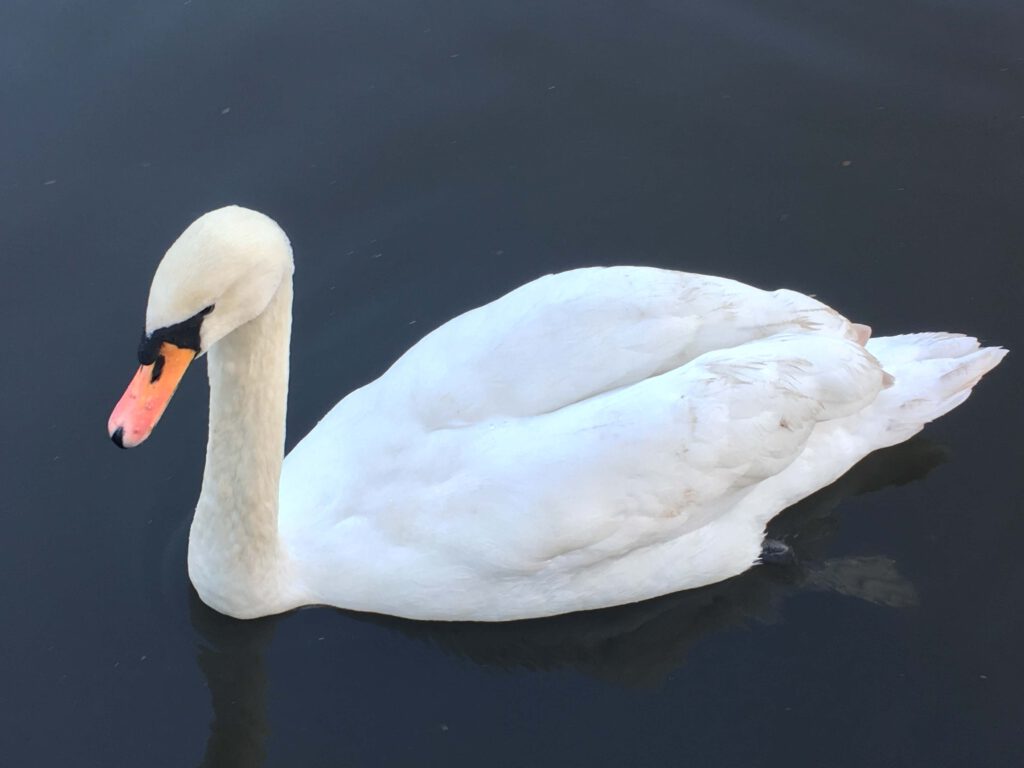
x: 426, y: 156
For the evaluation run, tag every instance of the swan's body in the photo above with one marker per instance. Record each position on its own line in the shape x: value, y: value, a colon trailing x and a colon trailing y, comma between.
x: 593, y: 438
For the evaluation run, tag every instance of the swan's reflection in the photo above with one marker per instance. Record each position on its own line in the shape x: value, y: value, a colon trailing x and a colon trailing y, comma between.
x: 634, y: 645
x: 230, y: 655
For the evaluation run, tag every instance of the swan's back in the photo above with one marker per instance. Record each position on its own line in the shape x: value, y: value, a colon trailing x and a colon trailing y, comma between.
x: 569, y: 336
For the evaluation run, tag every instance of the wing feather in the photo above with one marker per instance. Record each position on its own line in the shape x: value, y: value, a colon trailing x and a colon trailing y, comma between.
x: 567, y: 337
x: 645, y: 463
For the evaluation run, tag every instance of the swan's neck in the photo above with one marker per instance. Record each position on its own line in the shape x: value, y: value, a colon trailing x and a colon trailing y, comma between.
x: 235, y: 558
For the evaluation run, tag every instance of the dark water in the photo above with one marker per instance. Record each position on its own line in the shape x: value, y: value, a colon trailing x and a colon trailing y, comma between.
x: 426, y: 156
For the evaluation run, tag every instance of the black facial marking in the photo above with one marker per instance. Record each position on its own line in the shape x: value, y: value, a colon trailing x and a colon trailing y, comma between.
x: 158, y: 368
x: 118, y: 437
x: 184, y: 335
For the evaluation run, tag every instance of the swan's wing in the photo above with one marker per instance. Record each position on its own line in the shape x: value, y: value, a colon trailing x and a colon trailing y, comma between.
x: 644, y: 490
x: 643, y: 465
x: 564, y: 338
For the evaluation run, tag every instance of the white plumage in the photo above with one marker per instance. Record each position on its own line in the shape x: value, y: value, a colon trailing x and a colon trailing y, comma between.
x: 592, y: 438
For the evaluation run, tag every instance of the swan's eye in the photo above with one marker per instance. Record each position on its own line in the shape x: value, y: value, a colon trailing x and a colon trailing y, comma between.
x: 184, y: 335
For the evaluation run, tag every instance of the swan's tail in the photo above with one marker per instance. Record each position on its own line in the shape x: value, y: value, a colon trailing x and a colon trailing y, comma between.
x: 932, y: 374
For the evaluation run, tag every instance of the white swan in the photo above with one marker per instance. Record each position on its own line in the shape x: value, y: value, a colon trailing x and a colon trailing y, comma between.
x: 593, y: 438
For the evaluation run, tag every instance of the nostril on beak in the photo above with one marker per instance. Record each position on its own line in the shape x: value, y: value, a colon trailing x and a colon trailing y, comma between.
x: 118, y: 437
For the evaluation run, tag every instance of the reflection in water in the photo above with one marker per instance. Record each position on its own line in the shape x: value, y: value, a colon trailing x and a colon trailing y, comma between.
x: 635, y: 645
x: 230, y: 655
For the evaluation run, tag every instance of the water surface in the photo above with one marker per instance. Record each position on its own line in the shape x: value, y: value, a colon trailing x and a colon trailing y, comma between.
x: 426, y: 157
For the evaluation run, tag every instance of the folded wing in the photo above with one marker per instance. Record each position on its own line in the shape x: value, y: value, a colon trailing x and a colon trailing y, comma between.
x: 568, y: 337
x: 643, y: 464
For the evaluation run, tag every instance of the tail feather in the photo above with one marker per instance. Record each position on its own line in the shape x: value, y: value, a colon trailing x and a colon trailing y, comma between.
x: 908, y: 347
x: 932, y: 374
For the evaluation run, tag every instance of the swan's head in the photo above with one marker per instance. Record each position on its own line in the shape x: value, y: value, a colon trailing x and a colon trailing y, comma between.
x: 218, y: 275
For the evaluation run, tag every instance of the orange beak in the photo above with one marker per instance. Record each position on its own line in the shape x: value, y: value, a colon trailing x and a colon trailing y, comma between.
x: 143, y: 403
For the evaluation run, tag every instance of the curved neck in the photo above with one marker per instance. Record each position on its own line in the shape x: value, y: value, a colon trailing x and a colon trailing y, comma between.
x: 235, y: 558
